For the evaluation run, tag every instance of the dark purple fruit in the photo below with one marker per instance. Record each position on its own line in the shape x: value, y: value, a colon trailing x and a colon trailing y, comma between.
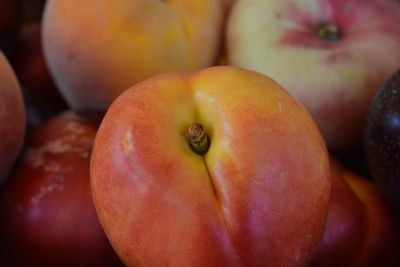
x: 382, y: 139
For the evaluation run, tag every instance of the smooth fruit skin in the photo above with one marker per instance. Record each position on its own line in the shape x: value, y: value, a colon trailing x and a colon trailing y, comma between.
x: 258, y: 197
x: 382, y: 138
x: 380, y: 245
x: 97, y: 49
x: 12, y: 118
x: 46, y: 208
x: 345, y: 228
x: 377, y: 223
x: 335, y: 80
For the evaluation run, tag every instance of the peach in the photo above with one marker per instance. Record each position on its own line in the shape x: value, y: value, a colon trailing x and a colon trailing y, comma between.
x: 332, y: 55
x: 250, y: 187
x: 97, y: 49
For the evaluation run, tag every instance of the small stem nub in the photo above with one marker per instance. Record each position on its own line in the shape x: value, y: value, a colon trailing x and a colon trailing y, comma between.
x: 198, y: 139
x: 328, y: 31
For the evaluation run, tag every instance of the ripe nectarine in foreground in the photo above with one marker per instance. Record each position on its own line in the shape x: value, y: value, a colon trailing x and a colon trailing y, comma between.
x: 220, y: 167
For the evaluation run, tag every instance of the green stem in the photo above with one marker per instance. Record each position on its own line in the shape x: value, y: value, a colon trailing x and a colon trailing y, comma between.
x: 198, y: 139
x: 328, y: 31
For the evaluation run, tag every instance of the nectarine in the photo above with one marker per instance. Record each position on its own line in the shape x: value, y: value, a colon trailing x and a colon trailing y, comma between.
x: 332, y: 55
x: 12, y: 117
x: 362, y: 230
x: 96, y: 49
x: 46, y: 208
x: 250, y: 188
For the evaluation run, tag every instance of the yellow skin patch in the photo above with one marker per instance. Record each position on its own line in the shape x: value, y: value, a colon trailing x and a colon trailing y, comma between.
x: 127, y: 142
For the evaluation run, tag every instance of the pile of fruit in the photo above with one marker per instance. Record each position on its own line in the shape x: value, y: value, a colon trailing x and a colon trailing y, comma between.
x: 199, y: 133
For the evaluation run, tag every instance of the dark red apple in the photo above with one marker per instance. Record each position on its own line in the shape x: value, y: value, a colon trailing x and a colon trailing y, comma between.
x: 46, y: 209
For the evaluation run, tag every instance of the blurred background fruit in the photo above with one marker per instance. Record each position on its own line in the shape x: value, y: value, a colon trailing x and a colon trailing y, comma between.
x: 46, y: 209
x: 382, y: 138
x: 96, y: 49
x: 12, y: 118
x: 361, y: 230
x: 331, y: 55
x: 32, y: 72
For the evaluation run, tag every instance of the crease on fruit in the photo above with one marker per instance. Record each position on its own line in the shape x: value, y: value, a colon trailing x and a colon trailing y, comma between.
x: 185, y: 27
x: 200, y: 100
x: 201, y: 103
x: 210, y: 178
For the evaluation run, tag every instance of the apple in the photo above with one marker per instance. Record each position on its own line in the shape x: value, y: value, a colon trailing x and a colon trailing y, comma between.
x: 10, y: 21
x: 32, y: 72
x: 46, y: 208
x: 97, y: 49
x: 12, y: 118
x: 332, y: 55
x: 382, y: 138
x: 219, y: 167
